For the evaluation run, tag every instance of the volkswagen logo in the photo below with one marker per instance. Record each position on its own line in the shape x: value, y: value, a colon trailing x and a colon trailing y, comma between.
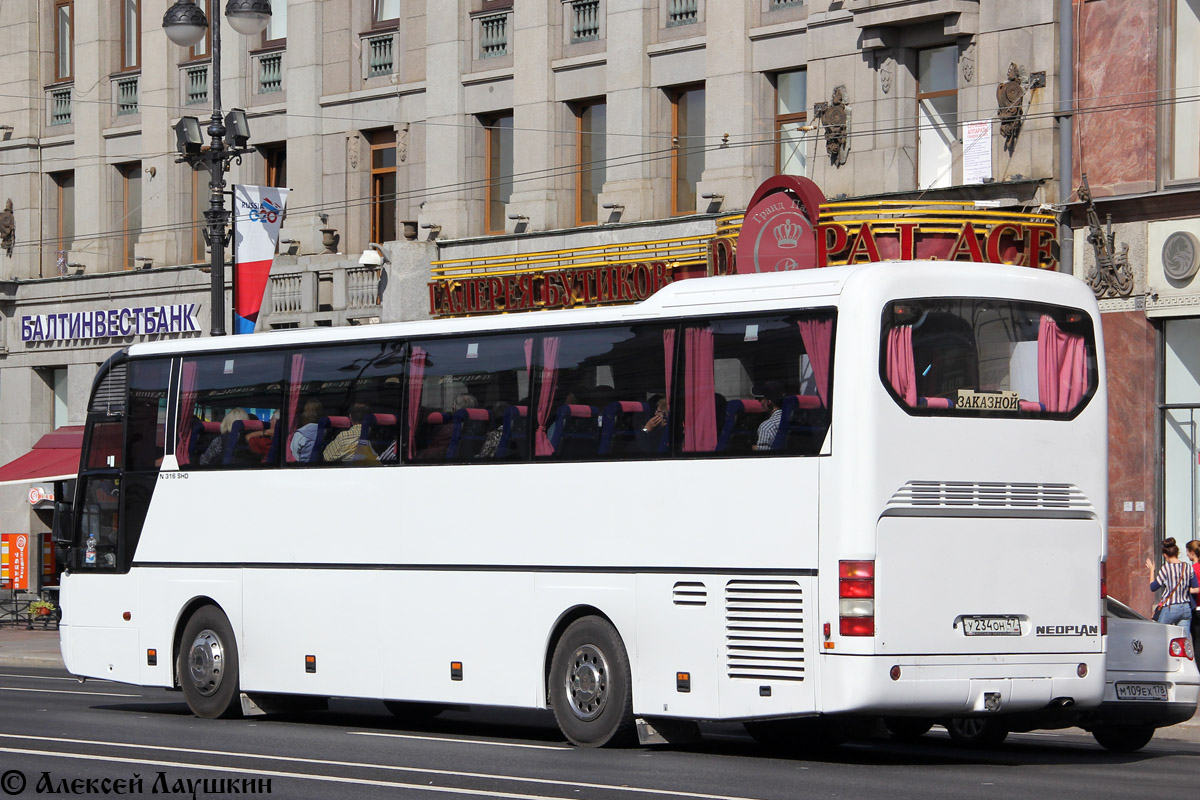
x: 1137, y: 646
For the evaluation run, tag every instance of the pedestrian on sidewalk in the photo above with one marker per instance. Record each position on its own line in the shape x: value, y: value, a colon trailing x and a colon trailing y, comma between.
x: 1181, y: 585
x: 1193, y: 554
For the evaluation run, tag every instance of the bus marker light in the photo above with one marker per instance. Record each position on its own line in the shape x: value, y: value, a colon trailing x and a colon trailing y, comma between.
x: 826, y: 630
x: 1081, y: 670
x: 683, y: 681
x: 830, y: 645
x: 152, y: 658
x: 310, y: 663
x: 895, y: 672
x: 857, y: 626
x: 456, y: 671
x: 127, y: 616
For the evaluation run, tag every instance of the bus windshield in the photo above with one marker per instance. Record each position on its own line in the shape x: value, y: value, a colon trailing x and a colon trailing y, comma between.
x: 972, y: 356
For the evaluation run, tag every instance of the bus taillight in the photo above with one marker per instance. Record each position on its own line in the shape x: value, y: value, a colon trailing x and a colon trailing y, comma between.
x: 856, y: 598
x: 1103, y: 597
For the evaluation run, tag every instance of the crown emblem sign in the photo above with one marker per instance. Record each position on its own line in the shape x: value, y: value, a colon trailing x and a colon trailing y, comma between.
x: 787, y: 234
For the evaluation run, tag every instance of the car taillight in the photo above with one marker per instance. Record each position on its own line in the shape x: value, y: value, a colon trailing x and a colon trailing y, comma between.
x: 856, y: 598
x: 1182, y: 648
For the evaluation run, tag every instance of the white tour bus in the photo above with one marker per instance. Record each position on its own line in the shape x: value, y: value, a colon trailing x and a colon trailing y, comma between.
x: 636, y: 516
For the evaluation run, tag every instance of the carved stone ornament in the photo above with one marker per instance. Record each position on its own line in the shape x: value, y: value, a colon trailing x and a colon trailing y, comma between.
x: 968, y: 63
x: 1010, y: 108
x: 886, y: 71
x: 8, y: 228
x: 837, y: 123
x: 1112, y: 276
x: 352, y: 150
x: 402, y: 143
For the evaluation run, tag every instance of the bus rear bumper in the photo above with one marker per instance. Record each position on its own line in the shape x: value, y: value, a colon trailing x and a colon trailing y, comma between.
x: 938, y: 686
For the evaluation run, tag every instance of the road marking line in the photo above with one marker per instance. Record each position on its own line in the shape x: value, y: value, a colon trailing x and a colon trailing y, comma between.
x: 66, y: 691
x: 363, y: 765
x: 463, y: 741
x: 51, y: 678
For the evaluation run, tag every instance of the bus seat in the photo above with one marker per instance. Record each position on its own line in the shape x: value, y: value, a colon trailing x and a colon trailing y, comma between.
x: 235, y: 441
x: 470, y: 429
x: 801, y: 416
x: 1031, y: 405
x: 743, y: 415
x: 619, y: 423
x: 576, y: 431
x: 378, y: 429
x: 514, y: 433
x: 935, y: 402
x: 324, y: 425
x: 202, y: 434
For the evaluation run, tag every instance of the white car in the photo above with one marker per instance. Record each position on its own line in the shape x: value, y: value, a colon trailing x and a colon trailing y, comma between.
x: 1151, y: 681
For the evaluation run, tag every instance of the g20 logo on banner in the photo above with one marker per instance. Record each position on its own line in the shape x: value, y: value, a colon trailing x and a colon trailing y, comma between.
x: 268, y: 212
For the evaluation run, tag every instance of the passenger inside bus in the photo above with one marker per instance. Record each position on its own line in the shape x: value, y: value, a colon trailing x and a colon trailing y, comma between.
x: 770, y: 394
x: 302, y: 441
x: 212, y: 455
x: 344, y: 446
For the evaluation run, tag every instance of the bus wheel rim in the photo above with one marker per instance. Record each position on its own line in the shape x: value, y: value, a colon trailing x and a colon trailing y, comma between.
x: 587, y: 682
x: 206, y: 662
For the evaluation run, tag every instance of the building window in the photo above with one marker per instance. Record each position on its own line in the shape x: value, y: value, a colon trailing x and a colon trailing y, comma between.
x: 1185, y: 77
x: 499, y: 167
x: 383, y: 185
x: 386, y: 12
x: 275, y: 165
x: 58, y: 384
x: 591, y: 125
x: 791, y: 104
x: 64, y: 40
x: 201, y: 48
x: 937, y: 115
x: 130, y: 223
x: 275, y: 34
x: 64, y: 209
x: 687, y: 147
x: 131, y: 34
x: 201, y: 181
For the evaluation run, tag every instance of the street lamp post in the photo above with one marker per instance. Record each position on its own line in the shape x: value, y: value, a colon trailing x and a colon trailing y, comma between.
x: 185, y: 24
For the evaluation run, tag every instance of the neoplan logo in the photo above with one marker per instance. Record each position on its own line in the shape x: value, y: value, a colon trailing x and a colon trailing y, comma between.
x: 1067, y: 630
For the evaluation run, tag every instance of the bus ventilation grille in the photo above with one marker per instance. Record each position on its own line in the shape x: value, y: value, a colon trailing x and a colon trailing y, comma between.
x: 109, y: 397
x: 764, y: 630
x: 690, y: 593
x: 982, y: 499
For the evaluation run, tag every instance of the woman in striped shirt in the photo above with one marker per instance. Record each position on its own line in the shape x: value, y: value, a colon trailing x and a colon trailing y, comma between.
x: 1179, y: 582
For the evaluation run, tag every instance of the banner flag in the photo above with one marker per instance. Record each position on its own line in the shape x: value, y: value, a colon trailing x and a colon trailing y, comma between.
x: 258, y: 213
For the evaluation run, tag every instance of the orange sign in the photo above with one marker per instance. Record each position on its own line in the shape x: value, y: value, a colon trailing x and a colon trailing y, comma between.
x: 14, y: 561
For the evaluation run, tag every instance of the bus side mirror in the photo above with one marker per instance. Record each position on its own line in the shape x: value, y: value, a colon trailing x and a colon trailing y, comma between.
x: 63, y: 526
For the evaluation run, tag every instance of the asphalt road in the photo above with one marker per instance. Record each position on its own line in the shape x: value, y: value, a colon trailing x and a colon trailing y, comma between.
x: 98, y: 738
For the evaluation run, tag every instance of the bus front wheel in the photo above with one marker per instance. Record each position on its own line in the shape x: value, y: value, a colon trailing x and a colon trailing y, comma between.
x: 590, y: 685
x: 208, y: 665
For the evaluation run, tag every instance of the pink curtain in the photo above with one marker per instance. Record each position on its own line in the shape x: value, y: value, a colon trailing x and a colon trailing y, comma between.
x: 293, y: 400
x: 416, y: 380
x: 817, y: 335
x: 668, y: 360
x: 901, y: 372
x: 699, y: 385
x: 542, y: 446
x: 187, y: 402
x: 1062, y: 367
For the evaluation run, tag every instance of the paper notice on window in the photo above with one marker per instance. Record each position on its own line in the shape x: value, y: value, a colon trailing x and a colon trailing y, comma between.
x: 977, y: 151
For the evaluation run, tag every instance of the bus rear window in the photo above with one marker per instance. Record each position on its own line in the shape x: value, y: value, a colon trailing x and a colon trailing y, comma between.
x: 981, y: 357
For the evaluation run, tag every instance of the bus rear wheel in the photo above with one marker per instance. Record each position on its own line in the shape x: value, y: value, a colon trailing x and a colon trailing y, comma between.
x: 591, y: 686
x: 208, y: 665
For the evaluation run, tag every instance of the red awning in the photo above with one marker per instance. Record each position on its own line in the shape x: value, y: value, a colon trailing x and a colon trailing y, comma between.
x: 54, y: 457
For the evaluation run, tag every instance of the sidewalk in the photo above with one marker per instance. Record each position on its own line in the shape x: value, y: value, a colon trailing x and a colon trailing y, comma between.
x: 39, y: 648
